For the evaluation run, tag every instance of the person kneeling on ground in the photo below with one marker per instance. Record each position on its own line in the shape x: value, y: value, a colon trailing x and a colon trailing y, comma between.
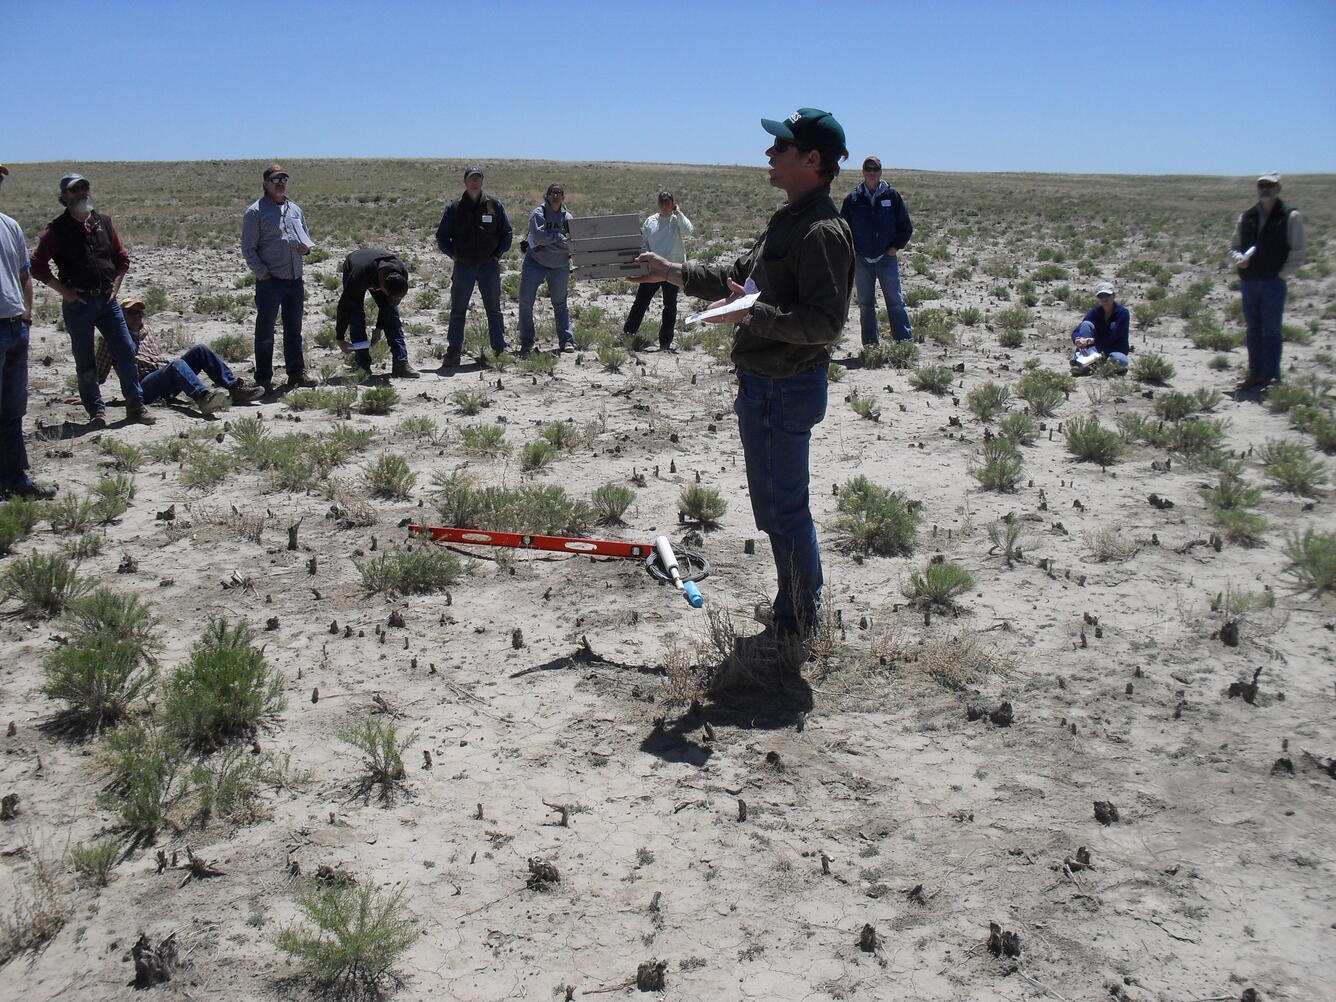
x: 386, y: 278
x: 1102, y: 335
x: 161, y: 378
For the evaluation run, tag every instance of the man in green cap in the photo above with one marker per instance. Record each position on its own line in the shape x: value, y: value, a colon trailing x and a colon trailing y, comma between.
x: 803, y: 268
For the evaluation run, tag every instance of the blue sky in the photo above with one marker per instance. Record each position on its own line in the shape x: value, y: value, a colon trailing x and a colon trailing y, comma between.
x: 1217, y: 87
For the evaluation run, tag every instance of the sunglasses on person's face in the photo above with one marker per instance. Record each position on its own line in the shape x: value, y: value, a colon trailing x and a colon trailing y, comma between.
x: 279, y: 179
x: 1265, y: 188
x: 784, y: 145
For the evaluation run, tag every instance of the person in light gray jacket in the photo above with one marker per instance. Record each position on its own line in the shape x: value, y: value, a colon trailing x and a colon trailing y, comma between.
x: 547, y: 258
x: 665, y: 235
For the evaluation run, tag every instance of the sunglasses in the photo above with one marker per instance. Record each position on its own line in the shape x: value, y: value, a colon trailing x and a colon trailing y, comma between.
x: 784, y: 145
x: 1267, y: 187
x: 279, y: 179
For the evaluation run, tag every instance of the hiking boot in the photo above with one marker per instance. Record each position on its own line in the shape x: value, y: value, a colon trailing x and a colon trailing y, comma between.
x: 451, y: 359
x: 303, y: 379
x: 98, y: 420
x: 245, y: 394
x: 25, y: 488
x: 139, y: 415
x: 214, y: 400
x: 566, y: 347
x: 404, y: 370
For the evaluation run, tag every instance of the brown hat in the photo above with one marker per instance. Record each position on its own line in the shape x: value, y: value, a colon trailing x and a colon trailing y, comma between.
x: 132, y: 306
x: 273, y: 169
x: 872, y: 163
x: 4, y: 170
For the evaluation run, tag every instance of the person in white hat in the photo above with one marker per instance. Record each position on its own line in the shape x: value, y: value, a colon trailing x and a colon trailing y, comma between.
x: 1268, y: 247
x: 1102, y: 336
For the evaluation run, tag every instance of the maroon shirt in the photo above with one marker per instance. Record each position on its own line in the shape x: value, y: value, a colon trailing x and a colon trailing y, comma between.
x: 48, y: 244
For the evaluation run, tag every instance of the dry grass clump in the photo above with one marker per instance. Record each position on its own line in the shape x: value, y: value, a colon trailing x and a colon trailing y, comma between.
x: 1111, y: 544
x: 382, y: 748
x: 958, y: 660
x: 38, y: 909
x: 1312, y: 558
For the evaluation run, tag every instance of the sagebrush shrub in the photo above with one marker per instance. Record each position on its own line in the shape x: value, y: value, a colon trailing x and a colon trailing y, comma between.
x: 987, y: 400
x: 390, y: 477
x: 873, y: 519
x: 1089, y: 442
x: 378, y: 400
x: 934, y: 379
x: 937, y: 584
x: 45, y: 583
x: 1312, y: 558
x: 410, y: 572
x: 704, y: 505
x: 1001, y: 468
x: 17, y: 518
x: 224, y: 690
x: 1152, y: 368
x: 382, y: 749
x: 1019, y: 428
x: 611, y: 501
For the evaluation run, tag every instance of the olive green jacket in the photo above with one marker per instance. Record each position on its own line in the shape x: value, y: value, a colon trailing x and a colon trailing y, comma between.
x: 803, y: 266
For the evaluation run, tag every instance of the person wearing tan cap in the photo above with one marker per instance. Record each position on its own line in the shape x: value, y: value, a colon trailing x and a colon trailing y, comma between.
x: 274, y: 239
x: 161, y: 377
x: 1268, y: 247
x: 15, y: 319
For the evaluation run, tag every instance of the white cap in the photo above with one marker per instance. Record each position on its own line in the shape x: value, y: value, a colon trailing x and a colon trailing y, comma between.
x: 1269, y: 177
x: 1104, y: 287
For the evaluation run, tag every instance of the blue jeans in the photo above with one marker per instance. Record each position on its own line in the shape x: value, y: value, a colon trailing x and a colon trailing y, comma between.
x: 13, y: 401
x: 487, y: 277
x: 271, y: 296
x: 1263, y: 310
x: 558, y: 280
x: 1087, y: 329
x: 886, y: 272
x: 394, y: 331
x: 103, y: 313
x: 179, y: 376
x: 644, y: 295
x: 775, y: 420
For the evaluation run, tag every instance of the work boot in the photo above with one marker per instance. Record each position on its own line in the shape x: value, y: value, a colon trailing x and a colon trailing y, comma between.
x: 303, y: 379
x: 25, y: 488
x: 98, y: 420
x: 245, y: 394
x: 213, y: 400
x: 404, y: 370
x: 451, y: 359
x: 139, y: 415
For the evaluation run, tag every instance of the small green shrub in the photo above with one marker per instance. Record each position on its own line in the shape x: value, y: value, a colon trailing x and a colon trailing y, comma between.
x: 938, y: 584
x: 1010, y: 339
x: 97, y: 678
x: 704, y: 505
x: 1219, y: 363
x: 611, y: 501
x: 310, y: 398
x: 123, y: 456
x: 1089, y: 442
x: 1019, y: 428
x: 969, y: 315
x: 865, y: 407
x: 987, y: 400
x: 45, y: 583
x: 224, y: 690
x: 874, y: 520
x: 231, y: 347
x: 612, y: 359
x: 147, y: 777
x: 360, y: 931
x: 1013, y: 320
x: 1291, y: 467
x: 1195, y: 437
x: 890, y: 354
x: 1008, y: 537
x: 537, y: 455
x: 1174, y: 406
x: 484, y: 439
x: 390, y: 477
x: 1001, y: 468
x: 470, y: 402
x: 410, y: 572
x: 95, y: 861
x: 1318, y: 423
x: 378, y: 400
x: 1312, y: 558
x: 72, y: 513
x: 205, y: 469
x: 112, y: 496
x: 935, y: 379
x: 1207, y: 399
x: 382, y: 750
x: 1216, y: 339
x: 17, y: 518
x: 1152, y: 368
x: 561, y: 434
x: 1241, y: 525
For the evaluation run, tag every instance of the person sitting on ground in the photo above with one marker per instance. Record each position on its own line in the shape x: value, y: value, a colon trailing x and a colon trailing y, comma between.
x: 1103, y: 335
x: 162, y: 378
x: 386, y: 278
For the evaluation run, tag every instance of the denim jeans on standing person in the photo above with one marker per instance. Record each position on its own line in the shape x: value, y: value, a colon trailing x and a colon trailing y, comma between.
x: 13, y: 401
x: 533, y: 275
x: 103, y: 313
x: 394, y: 334
x: 179, y: 376
x: 644, y: 294
x: 487, y: 277
x: 1263, y: 312
x: 273, y: 295
x: 775, y: 421
x: 886, y: 272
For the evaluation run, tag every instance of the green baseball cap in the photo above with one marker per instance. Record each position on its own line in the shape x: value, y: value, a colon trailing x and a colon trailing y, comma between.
x: 810, y: 127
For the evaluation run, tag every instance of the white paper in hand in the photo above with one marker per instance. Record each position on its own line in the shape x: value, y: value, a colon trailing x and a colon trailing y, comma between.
x: 743, y: 302
x: 359, y: 345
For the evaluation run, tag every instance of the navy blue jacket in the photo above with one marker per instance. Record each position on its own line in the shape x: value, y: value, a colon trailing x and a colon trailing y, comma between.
x: 474, y: 232
x: 1111, y: 333
x: 878, y: 224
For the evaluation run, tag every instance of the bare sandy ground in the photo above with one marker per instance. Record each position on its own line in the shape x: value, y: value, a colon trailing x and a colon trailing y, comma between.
x: 883, y: 806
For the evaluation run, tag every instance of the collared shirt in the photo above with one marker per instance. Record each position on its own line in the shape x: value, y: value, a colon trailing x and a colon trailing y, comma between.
x: 665, y: 237
x: 270, y: 235
x: 148, y: 355
x: 13, y: 263
x: 803, y: 265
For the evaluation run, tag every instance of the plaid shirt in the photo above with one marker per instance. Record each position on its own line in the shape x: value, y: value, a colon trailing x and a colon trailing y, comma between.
x: 148, y: 355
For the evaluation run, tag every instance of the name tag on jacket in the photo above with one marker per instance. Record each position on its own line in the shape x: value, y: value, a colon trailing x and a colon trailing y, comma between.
x: 486, y: 219
x: 885, y: 203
